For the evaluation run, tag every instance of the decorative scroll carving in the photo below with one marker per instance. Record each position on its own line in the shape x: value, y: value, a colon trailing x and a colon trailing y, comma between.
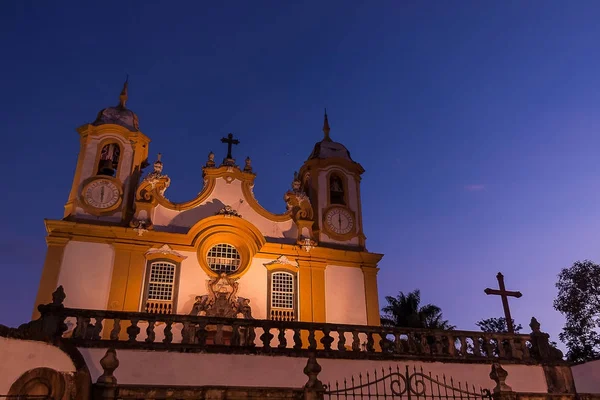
x: 541, y: 349
x: 301, y: 211
x: 154, y: 183
x: 165, y: 250
x: 228, y: 211
x: 282, y: 260
x: 222, y: 299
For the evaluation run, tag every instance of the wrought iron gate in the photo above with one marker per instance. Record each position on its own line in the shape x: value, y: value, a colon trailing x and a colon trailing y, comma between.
x: 406, y: 385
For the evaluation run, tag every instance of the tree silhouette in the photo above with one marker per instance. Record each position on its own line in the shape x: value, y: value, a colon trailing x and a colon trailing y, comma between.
x: 405, y: 311
x: 496, y: 325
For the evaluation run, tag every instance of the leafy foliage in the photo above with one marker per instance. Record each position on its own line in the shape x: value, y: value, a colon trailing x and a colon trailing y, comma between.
x: 579, y: 301
x: 496, y: 325
x: 405, y: 311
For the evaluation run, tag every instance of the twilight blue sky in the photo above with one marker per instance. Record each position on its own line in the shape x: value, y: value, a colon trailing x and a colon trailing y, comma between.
x: 476, y: 122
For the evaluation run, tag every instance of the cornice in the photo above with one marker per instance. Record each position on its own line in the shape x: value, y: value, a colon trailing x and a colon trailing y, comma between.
x: 92, y: 130
x: 65, y: 230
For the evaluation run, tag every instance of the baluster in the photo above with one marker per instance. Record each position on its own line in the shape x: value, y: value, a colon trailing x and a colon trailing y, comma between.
x: 524, y: 349
x: 476, y: 346
x: 297, y: 339
x: 133, y: 330
x: 150, y: 332
x: 326, y: 340
x: 201, y: 334
x: 341, y: 340
x: 438, y: 343
x: 424, y: 344
x: 463, y: 346
x: 219, y: 334
x: 235, y: 334
x: 168, y: 331
x: 114, y: 334
x: 501, y: 347
x: 370, y: 342
x: 355, y: 341
x: 451, y: 345
x: 397, y: 348
x: 97, y: 328
x: 312, y: 343
x: 412, y: 344
x: 267, y: 336
x: 185, y: 333
x: 81, y: 328
x: 488, y: 347
x: 251, y: 337
x: 281, y: 338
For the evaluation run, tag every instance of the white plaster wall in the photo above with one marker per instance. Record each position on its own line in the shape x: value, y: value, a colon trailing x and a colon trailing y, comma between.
x: 224, y: 194
x: 587, y: 377
x: 19, y: 356
x: 85, y: 274
x: 192, y: 282
x: 345, y: 301
x: 170, y: 368
x: 253, y: 285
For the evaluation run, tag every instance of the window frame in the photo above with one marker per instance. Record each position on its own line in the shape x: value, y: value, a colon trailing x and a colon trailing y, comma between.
x: 146, y: 286
x: 237, y: 252
x: 295, y: 295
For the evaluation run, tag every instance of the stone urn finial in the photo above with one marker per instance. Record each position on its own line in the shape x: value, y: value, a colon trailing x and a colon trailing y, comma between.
x: 499, y: 375
x: 109, y: 363
x: 312, y: 370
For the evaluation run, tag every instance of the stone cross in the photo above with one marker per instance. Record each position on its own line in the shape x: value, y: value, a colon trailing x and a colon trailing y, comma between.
x: 503, y: 293
x: 230, y: 141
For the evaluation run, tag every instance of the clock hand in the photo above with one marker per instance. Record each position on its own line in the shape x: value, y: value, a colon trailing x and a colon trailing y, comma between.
x: 340, y: 220
x: 102, y: 194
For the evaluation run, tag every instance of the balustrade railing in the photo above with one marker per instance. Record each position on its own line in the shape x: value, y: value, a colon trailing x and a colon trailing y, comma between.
x: 118, y: 329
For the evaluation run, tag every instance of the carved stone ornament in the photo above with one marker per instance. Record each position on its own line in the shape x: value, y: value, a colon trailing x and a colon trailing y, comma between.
x: 165, y: 250
x: 282, y: 260
x: 222, y: 299
x: 210, y: 163
x: 298, y: 203
x: 498, y: 375
x: 248, y: 165
x: 228, y: 211
x: 155, y: 180
x: 541, y: 349
x: 109, y: 364
x: 141, y: 226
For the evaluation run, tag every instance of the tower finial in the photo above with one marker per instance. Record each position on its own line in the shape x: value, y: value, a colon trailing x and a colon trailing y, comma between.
x: 326, y: 128
x: 123, y: 97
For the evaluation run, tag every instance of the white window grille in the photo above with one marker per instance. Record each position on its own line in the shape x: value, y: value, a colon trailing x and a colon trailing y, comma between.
x: 223, y: 258
x: 282, y: 290
x: 161, y: 285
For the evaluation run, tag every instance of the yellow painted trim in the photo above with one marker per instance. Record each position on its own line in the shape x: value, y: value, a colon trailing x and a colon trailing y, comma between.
x: 371, y: 295
x: 188, y: 241
x: 69, y: 207
x: 50, y: 273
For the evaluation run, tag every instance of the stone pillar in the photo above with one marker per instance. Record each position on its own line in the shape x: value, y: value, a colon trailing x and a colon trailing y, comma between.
x: 502, y: 391
x: 52, y: 264
x: 106, y: 385
x: 313, y: 388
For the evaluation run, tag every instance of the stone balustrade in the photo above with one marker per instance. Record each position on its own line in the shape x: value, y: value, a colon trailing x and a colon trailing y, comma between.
x: 119, y: 329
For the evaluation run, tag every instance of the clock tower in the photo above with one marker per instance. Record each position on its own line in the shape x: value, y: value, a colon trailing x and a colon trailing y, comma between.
x: 332, y: 181
x: 113, y: 151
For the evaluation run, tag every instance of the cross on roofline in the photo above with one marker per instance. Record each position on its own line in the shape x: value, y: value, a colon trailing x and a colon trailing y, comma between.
x: 230, y: 141
x: 503, y: 293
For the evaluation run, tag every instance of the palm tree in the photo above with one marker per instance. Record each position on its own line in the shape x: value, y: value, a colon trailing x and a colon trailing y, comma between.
x: 404, y: 311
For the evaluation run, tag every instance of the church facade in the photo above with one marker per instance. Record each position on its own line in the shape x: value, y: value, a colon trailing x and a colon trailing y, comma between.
x: 122, y: 245
x: 218, y: 298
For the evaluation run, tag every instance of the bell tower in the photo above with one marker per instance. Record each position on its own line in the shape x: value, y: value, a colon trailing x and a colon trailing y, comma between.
x: 331, y: 179
x: 112, y: 153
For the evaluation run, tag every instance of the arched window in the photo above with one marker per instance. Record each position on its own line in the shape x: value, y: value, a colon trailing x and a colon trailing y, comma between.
x: 223, y: 257
x: 336, y: 190
x: 282, y: 296
x: 109, y: 159
x: 161, y: 287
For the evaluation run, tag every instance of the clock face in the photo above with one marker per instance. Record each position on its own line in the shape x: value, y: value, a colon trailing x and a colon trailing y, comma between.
x: 101, y: 194
x: 339, y: 220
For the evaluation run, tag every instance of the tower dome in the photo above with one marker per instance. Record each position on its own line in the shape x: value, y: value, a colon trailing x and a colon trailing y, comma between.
x: 327, y: 148
x: 119, y: 115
